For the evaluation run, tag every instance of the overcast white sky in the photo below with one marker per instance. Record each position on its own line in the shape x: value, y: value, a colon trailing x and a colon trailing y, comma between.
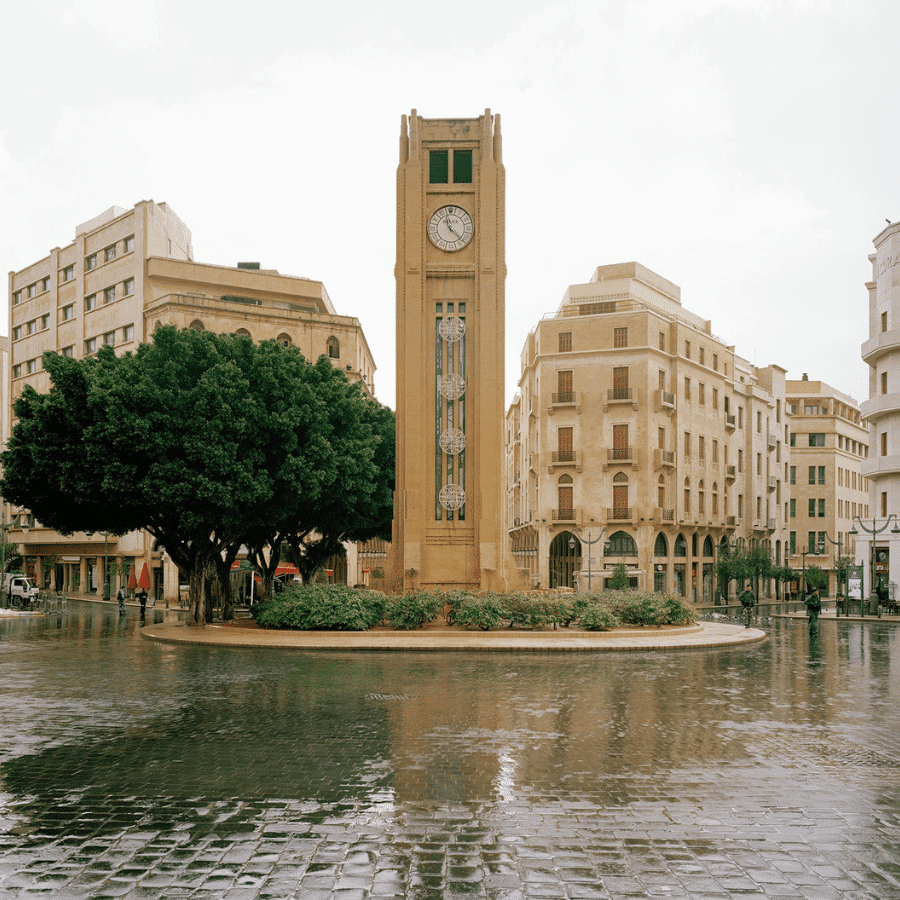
x: 745, y: 150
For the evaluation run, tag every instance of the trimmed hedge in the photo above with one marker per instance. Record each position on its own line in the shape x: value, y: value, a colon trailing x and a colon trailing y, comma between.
x: 324, y: 607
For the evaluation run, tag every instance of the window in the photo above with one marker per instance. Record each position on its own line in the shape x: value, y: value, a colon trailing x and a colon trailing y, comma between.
x: 702, y: 352
x: 68, y: 351
x: 31, y: 290
x: 687, y: 349
x: 740, y: 462
x: 884, y: 511
x: 439, y: 166
x: 701, y: 448
x: 109, y: 294
x: 884, y: 321
x: 662, y: 380
x: 17, y: 297
x: 31, y: 367
x: 462, y: 166
x: 127, y: 333
x: 884, y: 383
x: 715, y: 453
x: 662, y: 341
x: 716, y: 362
x: 715, y: 398
x: 620, y: 383
x: 816, y: 440
x: 129, y: 244
x: 90, y: 262
x: 812, y: 475
x: 31, y: 327
x: 811, y: 512
x: 759, y: 423
x: 565, y: 341
x: 821, y: 507
x: 45, y: 321
x: 45, y: 284
x: 759, y: 463
x: 793, y: 440
x: 701, y: 393
x: 620, y: 337
x: 793, y: 474
x: 821, y: 474
x: 687, y: 388
x: 17, y: 332
x: 90, y: 302
x: 687, y: 445
x: 687, y: 495
x: 17, y: 370
x: 109, y: 339
x: 68, y: 273
x: 90, y: 345
x: 109, y: 253
x: 793, y: 507
x: 740, y: 417
x: 127, y: 287
x: 334, y: 348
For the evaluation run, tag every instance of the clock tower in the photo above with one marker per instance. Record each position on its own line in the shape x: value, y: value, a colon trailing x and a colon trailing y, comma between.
x: 451, y: 274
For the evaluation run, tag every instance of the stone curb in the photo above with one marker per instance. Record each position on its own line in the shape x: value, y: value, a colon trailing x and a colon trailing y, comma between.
x: 702, y: 635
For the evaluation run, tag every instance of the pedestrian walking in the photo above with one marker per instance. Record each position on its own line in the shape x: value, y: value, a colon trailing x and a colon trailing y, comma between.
x: 120, y: 596
x: 813, y: 608
x: 747, y: 600
x: 142, y: 598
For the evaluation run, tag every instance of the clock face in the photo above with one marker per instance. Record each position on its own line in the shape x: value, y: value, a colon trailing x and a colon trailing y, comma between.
x: 450, y: 228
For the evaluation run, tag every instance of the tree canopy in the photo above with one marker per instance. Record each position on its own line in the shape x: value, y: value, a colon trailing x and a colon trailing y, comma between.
x: 207, y: 441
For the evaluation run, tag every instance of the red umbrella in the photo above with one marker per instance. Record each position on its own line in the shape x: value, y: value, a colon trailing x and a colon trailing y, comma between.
x: 132, y: 581
x: 144, y: 580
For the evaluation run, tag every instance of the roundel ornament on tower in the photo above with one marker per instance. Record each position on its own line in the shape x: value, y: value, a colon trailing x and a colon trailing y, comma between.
x: 452, y: 386
x: 452, y: 496
x: 452, y: 329
x: 453, y: 441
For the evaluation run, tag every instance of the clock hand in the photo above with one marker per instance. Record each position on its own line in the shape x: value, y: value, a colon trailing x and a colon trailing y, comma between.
x: 447, y: 221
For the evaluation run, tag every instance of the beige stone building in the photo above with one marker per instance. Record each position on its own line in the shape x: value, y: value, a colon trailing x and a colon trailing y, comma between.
x: 636, y: 425
x: 829, y: 447
x: 125, y: 273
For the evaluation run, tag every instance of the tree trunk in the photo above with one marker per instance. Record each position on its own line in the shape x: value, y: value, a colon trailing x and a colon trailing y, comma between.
x: 197, y: 590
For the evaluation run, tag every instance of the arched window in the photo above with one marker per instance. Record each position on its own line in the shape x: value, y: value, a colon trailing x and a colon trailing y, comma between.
x: 708, y: 546
x: 661, y: 492
x: 715, y: 499
x: 680, y: 546
x: 621, y: 544
x: 565, y: 496
x: 242, y: 332
x: 334, y: 347
x: 687, y: 496
x: 197, y: 325
x: 701, y: 499
x: 661, y: 547
x: 620, y: 496
x: 284, y: 339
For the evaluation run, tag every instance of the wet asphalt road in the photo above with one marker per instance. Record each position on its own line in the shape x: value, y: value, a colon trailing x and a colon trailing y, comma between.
x: 142, y: 770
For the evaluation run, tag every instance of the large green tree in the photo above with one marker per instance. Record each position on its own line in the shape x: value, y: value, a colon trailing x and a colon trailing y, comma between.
x: 204, y: 440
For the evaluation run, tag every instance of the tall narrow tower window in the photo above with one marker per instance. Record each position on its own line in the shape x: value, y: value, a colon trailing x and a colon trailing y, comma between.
x: 439, y: 166
x: 462, y: 166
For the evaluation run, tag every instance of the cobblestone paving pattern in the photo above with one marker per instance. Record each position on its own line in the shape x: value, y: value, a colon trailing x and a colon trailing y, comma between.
x: 131, y: 769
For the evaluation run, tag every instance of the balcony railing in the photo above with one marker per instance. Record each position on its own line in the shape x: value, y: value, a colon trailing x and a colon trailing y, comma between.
x: 563, y: 515
x: 730, y: 472
x: 663, y: 458
x: 563, y: 456
x: 618, y: 394
x: 619, y: 454
x: 619, y: 514
x: 664, y: 515
x: 729, y: 421
x: 564, y: 398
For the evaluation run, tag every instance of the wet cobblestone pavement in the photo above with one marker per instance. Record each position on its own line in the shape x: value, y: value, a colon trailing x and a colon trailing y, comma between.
x: 133, y: 769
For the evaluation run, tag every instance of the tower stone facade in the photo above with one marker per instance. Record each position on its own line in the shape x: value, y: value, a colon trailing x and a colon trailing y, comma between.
x: 450, y: 273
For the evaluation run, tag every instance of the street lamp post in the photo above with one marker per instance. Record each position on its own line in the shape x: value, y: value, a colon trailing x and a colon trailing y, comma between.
x: 590, y: 544
x: 873, y: 531
x: 840, y: 558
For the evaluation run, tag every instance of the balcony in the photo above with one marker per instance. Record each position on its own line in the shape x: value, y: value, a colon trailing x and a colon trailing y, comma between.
x: 619, y: 514
x: 729, y: 422
x: 564, y: 458
x: 731, y: 521
x: 564, y: 400
x: 730, y: 473
x: 564, y: 515
x: 663, y: 515
x: 620, y: 395
x: 771, y: 441
x: 620, y: 456
x: 771, y: 482
x: 663, y: 459
x: 664, y: 400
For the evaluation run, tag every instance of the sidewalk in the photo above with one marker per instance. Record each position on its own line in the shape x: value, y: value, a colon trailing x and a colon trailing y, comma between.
x: 703, y: 634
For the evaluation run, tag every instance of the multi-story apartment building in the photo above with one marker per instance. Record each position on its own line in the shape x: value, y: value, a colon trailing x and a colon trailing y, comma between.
x: 126, y: 273
x: 878, y: 540
x: 639, y: 430
x: 828, y: 448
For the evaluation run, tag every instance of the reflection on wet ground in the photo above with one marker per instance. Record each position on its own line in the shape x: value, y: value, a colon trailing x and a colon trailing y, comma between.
x: 136, y: 769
